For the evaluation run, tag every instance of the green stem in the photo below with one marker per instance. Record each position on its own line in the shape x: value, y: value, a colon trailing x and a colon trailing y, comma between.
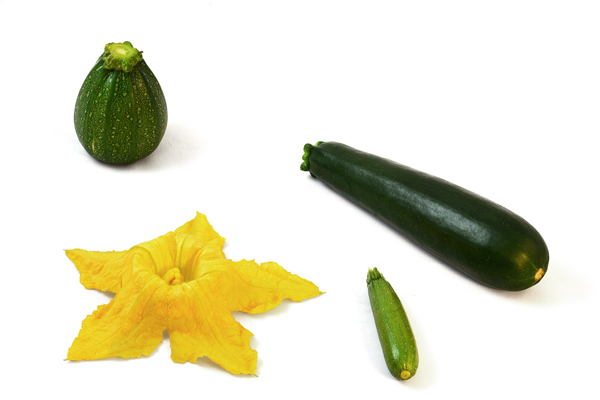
x: 304, y: 166
x: 121, y: 56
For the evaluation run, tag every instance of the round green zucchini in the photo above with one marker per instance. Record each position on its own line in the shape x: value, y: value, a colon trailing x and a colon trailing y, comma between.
x: 121, y: 112
x: 395, y: 334
x: 478, y: 237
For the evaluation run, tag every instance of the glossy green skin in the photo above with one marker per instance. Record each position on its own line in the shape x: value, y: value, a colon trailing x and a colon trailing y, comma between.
x: 485, y: 241
x: 393, y: 328
x: 120, y: 117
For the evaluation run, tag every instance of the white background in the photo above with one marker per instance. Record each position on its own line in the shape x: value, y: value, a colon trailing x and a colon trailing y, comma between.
x: 500, y: 97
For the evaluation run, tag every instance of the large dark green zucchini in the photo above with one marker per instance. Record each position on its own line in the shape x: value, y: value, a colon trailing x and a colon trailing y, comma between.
x: 121, y: 112
x: 474, y: 235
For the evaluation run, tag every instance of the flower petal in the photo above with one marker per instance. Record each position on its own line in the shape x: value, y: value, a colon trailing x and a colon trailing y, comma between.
x: 204, y: 328
x: 100, y: 270
x: 202, y: 231
x: 253, y: 288
x: 130, y: 325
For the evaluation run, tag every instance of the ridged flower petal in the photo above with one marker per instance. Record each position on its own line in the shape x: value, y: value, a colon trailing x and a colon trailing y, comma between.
x: 130, y: 325
x: 100, y: 270
x: 202, y: 231
x: 205, y: 327
x: 251, y: 287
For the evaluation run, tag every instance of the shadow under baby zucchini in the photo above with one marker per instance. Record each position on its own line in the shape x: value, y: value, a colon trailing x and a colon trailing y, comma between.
x: 478, y: 237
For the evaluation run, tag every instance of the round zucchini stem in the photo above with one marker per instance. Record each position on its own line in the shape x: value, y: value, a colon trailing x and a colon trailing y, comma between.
x: 121, y: 56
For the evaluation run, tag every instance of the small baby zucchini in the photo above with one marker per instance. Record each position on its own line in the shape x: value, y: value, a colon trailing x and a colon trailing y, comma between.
x: 395, y: 334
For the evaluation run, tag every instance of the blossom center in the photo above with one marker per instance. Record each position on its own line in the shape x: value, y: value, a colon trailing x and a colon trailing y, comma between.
x: 173, y: 277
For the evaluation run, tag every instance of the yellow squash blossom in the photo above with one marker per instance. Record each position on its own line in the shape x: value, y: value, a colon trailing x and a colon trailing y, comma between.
x: 183, y: 283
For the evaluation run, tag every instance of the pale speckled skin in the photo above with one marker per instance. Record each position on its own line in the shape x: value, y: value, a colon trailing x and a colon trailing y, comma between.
x: 393, y: 328
x: 120, y: 117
